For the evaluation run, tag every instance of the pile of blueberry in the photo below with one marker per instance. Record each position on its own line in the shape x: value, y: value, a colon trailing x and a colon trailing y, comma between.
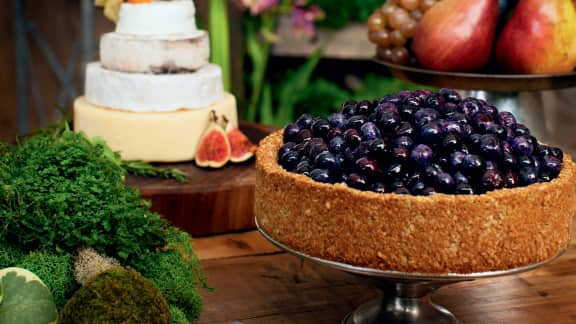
x: 420, y: 143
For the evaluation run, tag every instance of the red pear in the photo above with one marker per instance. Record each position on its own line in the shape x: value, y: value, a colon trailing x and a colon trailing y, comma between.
x: 457, y: 35
x: 540, y: 37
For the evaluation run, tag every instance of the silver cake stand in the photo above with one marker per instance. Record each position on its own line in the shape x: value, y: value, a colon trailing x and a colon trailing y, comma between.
x: 406, y: 295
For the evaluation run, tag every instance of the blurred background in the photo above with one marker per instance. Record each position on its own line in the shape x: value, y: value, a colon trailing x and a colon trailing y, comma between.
x: 281, y: 60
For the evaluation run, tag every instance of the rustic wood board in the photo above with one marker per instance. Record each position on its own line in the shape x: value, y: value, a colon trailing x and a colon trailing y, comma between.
x: 275, y: 287
x: 213, y: 201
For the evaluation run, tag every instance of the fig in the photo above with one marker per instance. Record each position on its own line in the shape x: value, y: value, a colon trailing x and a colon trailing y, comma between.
x: 214, y: 148
x: 242, y: 148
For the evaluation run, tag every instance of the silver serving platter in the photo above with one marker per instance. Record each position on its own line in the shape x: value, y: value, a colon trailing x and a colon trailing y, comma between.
x: 406, y: 295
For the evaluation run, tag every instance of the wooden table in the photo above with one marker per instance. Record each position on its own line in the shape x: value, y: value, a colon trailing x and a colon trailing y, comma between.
x: 257, y: 283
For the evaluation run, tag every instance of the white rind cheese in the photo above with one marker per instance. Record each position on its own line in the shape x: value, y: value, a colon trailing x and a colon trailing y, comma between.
x: 139, y: 92
x: 159, y: 18
x: 152, y: 137
x: 144, y: 54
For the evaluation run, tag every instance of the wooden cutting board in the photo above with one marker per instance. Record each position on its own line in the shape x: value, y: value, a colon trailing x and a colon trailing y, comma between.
x: 213, y: 201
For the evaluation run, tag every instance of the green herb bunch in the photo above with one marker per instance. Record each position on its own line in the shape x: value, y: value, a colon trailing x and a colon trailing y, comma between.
x: 63, y: 191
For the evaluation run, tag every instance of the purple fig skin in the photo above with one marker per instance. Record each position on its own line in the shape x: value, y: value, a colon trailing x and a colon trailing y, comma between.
x: 457, y: 35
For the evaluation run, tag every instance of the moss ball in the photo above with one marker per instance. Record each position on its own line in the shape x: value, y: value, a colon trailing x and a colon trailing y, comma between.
x: 117, y: 296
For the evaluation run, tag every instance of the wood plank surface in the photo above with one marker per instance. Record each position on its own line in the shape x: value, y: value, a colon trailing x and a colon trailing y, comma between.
x: 275, y: 287
x: 214, y: 200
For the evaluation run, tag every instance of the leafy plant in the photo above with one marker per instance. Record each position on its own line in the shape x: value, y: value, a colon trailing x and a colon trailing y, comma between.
x: 176, y: 272
x: 56, y: 270
x: 10, y: 254
x: 340, y: 13
x: 63, y: 192
x: 24, y: 298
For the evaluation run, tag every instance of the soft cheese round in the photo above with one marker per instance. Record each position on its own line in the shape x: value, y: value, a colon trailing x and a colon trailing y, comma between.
x: 123, y: 52
x: 140, y: 92
x: 153, y: 136
x: 159, y: 18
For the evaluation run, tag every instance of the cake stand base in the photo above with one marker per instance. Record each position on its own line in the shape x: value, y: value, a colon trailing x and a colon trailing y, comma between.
x: 406, y: 301
x: 406, y: 295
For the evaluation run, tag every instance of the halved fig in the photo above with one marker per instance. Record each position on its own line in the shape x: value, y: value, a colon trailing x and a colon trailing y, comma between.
x: 214, y: 148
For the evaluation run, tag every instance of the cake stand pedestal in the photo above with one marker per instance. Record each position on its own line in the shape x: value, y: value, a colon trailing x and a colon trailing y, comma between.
x: 501, y: 90
x: 406, y: 295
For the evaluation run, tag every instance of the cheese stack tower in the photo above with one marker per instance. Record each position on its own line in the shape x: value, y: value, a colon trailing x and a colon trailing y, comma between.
x: 151, y: 95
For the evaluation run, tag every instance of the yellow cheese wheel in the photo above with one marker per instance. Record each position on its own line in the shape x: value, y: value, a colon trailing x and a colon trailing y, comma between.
x: 150, y: 136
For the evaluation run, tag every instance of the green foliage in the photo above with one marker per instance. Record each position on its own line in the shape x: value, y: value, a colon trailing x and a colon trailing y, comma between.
x: 56, y: 269
x: 116, y: 296
x: 321, y: 98
x: 62, y: 192
x: 341, y: 12
x: 24, y: 298
x: 10, y: 254
x: 145, y: 169
x: 178, y: 316
x: 176, y: 271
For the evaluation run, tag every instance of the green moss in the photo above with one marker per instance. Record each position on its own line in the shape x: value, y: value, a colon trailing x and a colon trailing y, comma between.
x: 178, y: 316
x: 10, y: 254
x: 176, y: 272
x: 116, y: 296
x: 56, y: 270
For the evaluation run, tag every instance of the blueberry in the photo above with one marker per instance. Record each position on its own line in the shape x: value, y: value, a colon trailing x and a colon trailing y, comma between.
x: 527, y: 176
x: 308, y: 145
x: 459, y: 118
x: 431, y: 133
x: 481, y: 122
x: 412, y: 100
x: 453, y: 127
x: 337, y: 145
x: 400, y: 154
x: 469, y: 106
x: 305, y: 121
x: 524, y: 161
x: 522, y: 146
x: 337, y: 120
x: 364, y: 107
x: 352, y: 137
x: 389, y: 121
x: 472, y: 164
x: 357, y: 181
x: 394, y: 171
x: 407, y: 112
x: 377, y: 187
x: 405, y: 129
x: 396, y: 185
x: 509, y: 161
x: 467, y: 130
x: 448, y: 109
x: 385, y: 106
x: 460, y: 178
x: 464, y: 189
x: 403, y: 141
x: 320, y: 128
x: 304, y: 135
x: 552, y: 164
x: 545, y: 176
x: 450, y: 95
x: 557, y: 153
x: 428, y: 191
x: 378, y: 149
x: 362, y: 150
x: 432, y: 171
x: 497, y: 130
x: 521, y: 130
x: 402, y: 191
x: 290, y: 159
x: 417, y: 188
x: 492, y: 180
x: 506, y: 147
x: 490, y: 146
x: 368, y: 167
x: 506, y: 119
x: 451, y: 143
x: 349, y: 109
x: 370, y: 131
x: 490, y: 111
x: 474, y: 141
x: 541, y: 150
x: 444, y: 182
x: 356, y: 121
x: 455, y: 160
x: 510, y: 179
x: 321, y: 175
x: 285, y: 148
x: 327, y: 160
x: 291, y: 133
x: 490, y: 165
x: 421, y: 155
x: 424, y: 116
x: 431, y: 101
x: 304, y: 167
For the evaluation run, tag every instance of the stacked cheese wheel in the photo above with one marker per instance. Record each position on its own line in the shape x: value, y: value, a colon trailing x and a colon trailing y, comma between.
x: 152, y: 94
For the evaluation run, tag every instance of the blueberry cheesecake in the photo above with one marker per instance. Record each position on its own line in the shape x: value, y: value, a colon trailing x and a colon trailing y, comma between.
x: 417, y: 181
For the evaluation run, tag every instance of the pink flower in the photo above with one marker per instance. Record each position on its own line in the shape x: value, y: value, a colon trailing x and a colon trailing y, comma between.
x: 303, y: 20
x: 257, y: 7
